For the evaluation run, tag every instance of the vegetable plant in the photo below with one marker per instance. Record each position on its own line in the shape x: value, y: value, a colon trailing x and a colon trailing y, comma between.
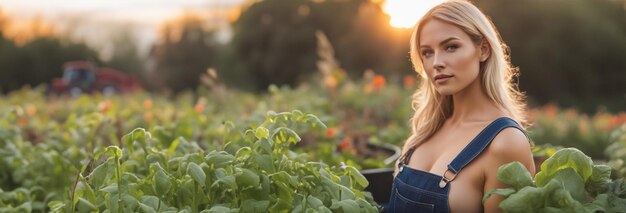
x: 568, y: 182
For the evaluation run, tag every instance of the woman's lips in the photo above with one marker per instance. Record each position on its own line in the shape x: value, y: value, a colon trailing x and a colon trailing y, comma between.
x: 442, y: 79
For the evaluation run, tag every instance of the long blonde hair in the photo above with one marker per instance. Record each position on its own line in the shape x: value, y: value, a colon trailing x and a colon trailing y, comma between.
x: 431, y: 108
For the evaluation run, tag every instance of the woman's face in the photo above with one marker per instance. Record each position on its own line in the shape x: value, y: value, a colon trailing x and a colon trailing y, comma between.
x: 451, y: 59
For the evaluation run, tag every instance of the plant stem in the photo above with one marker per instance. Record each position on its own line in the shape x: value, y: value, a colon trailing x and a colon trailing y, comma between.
x: 306, y: 197
x: 72, y: 198
x: 194, y: 208
x: 119, y: 183
x: 159, y: 205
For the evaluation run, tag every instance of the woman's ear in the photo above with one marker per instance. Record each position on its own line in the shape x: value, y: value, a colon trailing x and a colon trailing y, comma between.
x: 485, y: 50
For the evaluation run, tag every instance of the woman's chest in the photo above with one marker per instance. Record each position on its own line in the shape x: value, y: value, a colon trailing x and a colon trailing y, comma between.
x: 433, y: 156
x: 466, y: 191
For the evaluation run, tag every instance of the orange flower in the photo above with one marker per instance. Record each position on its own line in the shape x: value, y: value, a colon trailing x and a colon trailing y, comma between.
x: 199, y: 107
x: 379, y: 82
x: 147, y: 116
x: 550, y: 110
x: 330, y: 82
x: 409, y: 81
x: 147, y: 104
x: 22, y: 121
x: 104, y: 106
x: 346, y: 145
x: 330, y: 132
x: 31, y: 110
x: 617, y: 120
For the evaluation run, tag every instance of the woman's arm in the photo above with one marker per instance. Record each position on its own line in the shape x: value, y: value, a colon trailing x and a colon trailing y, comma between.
x: 509, y: 145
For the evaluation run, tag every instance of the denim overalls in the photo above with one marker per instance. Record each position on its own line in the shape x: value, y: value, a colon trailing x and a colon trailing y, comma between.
x: 419, y: 191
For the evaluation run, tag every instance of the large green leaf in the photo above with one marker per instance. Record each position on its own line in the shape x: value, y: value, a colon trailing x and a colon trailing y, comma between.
x: 161, y: 183
x: 247, y: 179
x: 196, y: 173
x: 357, y: 177
x: 345, y: 206
x: 101, y: 173
x: 254, y: 205
x: 600, y: 176
x: 281, y: 205
x: 565, y: 158
x: 85, y: 206
x: 564, y: 201
x: 514, y: 174
x: 502, y: 192
x: 219, y: 159
x: 527, y: 199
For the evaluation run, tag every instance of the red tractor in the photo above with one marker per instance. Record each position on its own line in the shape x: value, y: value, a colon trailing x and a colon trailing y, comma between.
x: 84, y: 77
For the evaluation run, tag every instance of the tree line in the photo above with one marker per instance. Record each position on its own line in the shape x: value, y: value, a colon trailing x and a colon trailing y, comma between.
x: 570, y: 52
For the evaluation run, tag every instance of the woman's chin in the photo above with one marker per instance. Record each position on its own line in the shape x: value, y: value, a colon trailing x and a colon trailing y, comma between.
x: 445, y: 92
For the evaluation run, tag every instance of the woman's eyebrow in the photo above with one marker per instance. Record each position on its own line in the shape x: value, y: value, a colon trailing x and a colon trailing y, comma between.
x: 443, y: 42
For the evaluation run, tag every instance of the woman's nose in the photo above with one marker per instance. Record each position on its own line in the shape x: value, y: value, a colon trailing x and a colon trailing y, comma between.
x: 438, y: 62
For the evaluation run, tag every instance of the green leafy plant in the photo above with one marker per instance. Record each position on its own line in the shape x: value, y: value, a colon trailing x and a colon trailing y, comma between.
x: 617, y: 152
x: 253, y: 172
x: 568, y: 182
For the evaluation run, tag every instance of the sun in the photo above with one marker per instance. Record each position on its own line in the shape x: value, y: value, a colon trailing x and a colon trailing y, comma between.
x: 405, y: 13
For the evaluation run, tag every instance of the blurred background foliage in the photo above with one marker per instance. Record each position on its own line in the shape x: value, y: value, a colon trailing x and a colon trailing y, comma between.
x: 570, y: 52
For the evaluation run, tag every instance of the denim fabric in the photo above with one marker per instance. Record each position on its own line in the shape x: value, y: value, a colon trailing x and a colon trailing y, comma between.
x: 419, y: 191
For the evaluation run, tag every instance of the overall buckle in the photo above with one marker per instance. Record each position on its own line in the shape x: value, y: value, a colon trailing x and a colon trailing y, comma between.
x: 444, y: 180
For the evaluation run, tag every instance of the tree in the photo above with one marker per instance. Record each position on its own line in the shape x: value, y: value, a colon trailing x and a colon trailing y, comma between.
x: 36, y: 60
x: 275, y: 39
x: 568, y: 51
x: 125, y: 55
x: 187, y: 47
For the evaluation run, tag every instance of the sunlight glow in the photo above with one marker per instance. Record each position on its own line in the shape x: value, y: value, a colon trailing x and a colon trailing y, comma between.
x: 405, y: 13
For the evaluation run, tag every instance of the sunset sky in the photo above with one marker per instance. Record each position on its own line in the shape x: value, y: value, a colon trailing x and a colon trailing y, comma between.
x: 92, y: 18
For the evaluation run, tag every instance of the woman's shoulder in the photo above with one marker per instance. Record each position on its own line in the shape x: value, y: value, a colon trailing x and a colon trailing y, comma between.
x: 510, y: 144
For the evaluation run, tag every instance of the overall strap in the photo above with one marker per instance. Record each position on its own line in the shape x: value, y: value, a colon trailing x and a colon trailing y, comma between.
x: 477, y: 145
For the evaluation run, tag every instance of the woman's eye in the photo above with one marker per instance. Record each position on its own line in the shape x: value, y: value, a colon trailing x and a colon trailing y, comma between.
x: 427, y: 53
x: 452, y: 47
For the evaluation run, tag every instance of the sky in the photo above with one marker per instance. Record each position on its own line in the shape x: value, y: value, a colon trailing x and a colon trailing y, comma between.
x: 144, y: 11
x: 90, y: 18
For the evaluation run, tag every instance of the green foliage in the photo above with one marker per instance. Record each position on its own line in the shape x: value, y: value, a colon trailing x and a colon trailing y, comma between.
x: 53, y: 151
x: 579, y: 43
x: 219, y: 180
x: 37, y: 61
x: 617, y: 152
x: 185, y: 50
x: 569, y: 128
x: 274, y: 41
x: 568, y: 182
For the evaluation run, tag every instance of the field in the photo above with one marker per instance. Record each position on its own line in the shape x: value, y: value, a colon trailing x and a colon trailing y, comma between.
x: 291, y: 149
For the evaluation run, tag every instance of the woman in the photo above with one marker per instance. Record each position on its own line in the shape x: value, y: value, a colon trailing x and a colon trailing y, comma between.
x: 463, y: 110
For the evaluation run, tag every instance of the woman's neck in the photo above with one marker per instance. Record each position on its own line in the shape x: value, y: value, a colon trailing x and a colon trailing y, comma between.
x: 472, y: 104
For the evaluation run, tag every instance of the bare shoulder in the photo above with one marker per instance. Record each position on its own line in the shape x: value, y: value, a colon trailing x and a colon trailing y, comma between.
x: 511, y: 144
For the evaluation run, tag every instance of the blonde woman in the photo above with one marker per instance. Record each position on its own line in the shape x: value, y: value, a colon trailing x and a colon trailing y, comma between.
x: 467, y: 115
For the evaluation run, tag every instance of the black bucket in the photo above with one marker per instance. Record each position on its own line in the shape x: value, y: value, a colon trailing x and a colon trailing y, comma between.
x: 380, y: 182
x: 381, y: 179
